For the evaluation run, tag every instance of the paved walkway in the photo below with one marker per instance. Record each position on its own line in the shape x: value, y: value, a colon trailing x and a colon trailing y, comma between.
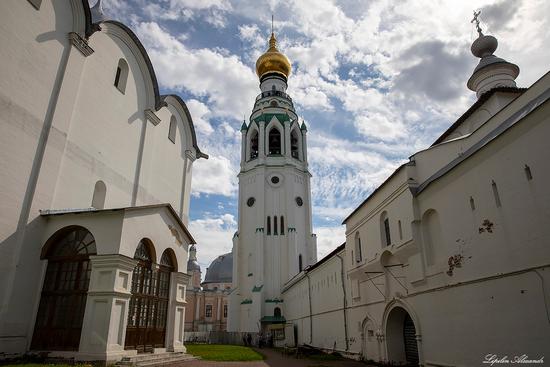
x: 274, y: 359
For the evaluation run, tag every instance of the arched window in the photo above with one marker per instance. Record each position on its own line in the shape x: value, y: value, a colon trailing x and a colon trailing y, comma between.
x: 121, y: 76
x: 268, y: 225
x: 254, y: 145
x: 98, y: 198
x: 294, y: 144
x: 172, y: 129
x: 385, y: 235
x: 282, y: 225
x: 358, y: 250
x: 63, y: 300
x: 275, y: 225
x: 275, y: 142
x: 277, y: 312
x: 300, y: 264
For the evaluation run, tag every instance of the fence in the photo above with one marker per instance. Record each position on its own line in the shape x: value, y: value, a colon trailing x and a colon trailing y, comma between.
x: 219, y: 337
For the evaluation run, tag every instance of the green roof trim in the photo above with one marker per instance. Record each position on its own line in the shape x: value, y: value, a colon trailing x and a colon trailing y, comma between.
x: 273, y: 319
x: 246, y: 302
x: 266, y: 117
x: 257, y: 289
x: 274, y: 300
x: 244, y: 127
x: 303, y: 127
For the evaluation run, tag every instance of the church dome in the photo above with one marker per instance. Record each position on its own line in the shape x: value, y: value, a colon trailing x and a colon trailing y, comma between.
x: 273, y: 61
x: 220, y: 270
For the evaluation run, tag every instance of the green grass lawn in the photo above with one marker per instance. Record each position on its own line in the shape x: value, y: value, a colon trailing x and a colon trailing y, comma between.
x: 216, y: 352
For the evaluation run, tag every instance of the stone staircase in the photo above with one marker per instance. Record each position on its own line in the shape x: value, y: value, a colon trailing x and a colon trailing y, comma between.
x: 157, y: 359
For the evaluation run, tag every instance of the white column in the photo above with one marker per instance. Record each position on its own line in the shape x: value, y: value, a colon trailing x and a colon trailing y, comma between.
x: 286, y: 146
x: 304, y: 145
x: 262, y: 142
x: 243, y: 147
x: 106, y: 315
x: 176, y: 313
x: 218, y: 315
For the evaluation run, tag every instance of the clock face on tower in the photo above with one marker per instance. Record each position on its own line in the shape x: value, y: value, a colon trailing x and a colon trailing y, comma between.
x: 299, y: 201
x: 250, y: 201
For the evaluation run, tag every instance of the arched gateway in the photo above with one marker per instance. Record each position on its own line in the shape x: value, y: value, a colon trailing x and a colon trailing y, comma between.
x: 63, y: 300
x: 149, y: 302
x: 401, y: 338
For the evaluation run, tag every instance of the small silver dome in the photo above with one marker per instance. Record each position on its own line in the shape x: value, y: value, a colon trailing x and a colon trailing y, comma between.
x: 221, y: 270
x: 192, y: 263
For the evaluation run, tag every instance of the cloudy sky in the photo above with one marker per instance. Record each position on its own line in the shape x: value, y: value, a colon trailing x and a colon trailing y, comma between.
x: 374, y: 81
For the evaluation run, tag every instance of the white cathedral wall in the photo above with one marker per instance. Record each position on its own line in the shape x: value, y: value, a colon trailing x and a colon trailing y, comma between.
x: 34, y: 56
x: 95, y: 135
x: 105, y: 131
x: 164, y: 165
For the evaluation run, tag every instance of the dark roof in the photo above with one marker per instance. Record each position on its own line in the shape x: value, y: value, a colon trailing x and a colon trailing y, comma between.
x: 53, y: 212
x: 300, y: 275
x: 191, y: 124
x: 326, y: 258
x: 159, y: 100
x: 374, y: 192
x: 481, y: 100
x: 159, y: 103
x: 509, y: 123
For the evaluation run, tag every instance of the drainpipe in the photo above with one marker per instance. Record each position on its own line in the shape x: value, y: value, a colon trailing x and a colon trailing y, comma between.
x: 345, y: 301
x: 310, y: 312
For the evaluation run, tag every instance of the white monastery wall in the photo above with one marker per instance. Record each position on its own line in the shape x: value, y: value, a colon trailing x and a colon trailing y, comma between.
x: 472, y: 263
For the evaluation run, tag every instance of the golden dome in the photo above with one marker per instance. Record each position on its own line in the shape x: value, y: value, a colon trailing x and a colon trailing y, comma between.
x: 272, y: 61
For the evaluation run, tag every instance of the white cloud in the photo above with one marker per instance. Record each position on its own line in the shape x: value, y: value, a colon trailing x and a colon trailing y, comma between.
x: 214, y: 176
x: 200, y: 112
x: 228, y: 84
x: 214, y: 236
x: 328, y: 238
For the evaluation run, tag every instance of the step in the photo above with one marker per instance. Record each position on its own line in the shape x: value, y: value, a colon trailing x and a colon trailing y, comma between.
x: 168, y: 361
x: 143, y: 360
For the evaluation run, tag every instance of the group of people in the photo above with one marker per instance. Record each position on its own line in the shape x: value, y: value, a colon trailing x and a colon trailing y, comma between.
x: 263, y: 340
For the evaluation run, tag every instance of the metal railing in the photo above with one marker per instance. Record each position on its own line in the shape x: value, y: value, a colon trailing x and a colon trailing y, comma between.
x: 273, y: 93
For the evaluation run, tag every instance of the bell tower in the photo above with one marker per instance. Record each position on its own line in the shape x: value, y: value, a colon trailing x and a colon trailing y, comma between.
x: 274, y: 241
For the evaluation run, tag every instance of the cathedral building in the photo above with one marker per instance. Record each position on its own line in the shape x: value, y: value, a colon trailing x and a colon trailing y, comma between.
x: 446, y: 263
x: 208, y: 302
x: 274, y: 241
x: 95, y: 181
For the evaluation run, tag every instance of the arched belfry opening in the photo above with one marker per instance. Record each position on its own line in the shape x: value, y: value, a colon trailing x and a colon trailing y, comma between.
x: 275, y: 142
x: 295, y: 144
x: 63, y: 300
x: 401, y: 337
x: 254, y: 145
x: 148, y: 308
